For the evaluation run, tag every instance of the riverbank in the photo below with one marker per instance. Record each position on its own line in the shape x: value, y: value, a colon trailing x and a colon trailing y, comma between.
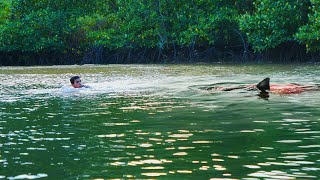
x: 283, y: 54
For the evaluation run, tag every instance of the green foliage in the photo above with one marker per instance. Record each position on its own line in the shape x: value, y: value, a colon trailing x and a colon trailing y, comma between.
x: 20, y: 8
x: 70, y: 26
x: 309, y: 34
x: 149, y: 23
x: 4, y: 11
x: 203, y: 21
x: 272, y: 23
x: 42, y: 25
x: 39, y: 31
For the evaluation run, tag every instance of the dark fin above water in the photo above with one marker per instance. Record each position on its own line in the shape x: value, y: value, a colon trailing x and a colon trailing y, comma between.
x: 264, y: 85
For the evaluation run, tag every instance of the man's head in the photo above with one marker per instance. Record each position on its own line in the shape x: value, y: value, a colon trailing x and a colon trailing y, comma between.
x: 76, y: 82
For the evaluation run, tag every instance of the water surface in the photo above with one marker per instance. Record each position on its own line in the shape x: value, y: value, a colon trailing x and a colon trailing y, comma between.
x: 153, y: 121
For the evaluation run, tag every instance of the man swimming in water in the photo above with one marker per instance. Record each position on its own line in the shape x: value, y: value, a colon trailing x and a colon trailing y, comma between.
x: 76, y: 82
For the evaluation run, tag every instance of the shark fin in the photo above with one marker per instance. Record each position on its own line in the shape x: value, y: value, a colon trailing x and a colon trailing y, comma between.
x: 264, y: 85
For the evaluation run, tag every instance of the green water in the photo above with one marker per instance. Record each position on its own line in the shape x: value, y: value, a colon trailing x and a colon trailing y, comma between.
x: 153, y: 121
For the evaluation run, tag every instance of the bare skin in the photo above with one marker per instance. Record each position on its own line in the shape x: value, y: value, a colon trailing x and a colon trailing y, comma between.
x: 78, y: 84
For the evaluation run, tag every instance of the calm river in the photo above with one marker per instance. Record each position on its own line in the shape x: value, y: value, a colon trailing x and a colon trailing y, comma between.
x: 154, y: 121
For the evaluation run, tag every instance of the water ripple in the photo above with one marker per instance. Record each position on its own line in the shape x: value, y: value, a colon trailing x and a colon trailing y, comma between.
x: 153, y: 122
x: 28, y: 176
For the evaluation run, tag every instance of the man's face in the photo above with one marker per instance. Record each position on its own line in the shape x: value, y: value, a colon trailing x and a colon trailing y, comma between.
x: 77, y: 83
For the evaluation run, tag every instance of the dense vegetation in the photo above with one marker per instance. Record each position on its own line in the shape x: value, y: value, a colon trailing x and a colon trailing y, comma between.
x: 148, y: 31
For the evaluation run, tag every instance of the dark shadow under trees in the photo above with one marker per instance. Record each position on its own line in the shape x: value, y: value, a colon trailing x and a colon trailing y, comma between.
x: 285, y: 53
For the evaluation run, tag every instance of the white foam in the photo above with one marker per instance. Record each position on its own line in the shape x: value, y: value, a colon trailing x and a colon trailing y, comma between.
x: 69, y: 89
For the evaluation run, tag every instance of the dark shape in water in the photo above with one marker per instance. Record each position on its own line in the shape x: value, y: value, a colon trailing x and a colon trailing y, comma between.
x: 264, y: 85
x: 264, y: 95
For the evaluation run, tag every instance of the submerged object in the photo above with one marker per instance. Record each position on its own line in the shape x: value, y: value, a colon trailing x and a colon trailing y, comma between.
x: 287, y: 89
x: 265, y: 88
x: 264, y: 85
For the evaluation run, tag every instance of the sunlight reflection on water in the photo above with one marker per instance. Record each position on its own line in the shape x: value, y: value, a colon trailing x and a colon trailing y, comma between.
x: 156, y: 123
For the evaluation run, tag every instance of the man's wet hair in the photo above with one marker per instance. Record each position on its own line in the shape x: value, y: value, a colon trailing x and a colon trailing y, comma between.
x: 73, y: 79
